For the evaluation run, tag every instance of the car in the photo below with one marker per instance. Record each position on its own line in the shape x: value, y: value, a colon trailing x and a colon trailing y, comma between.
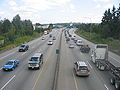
x: 35, y: 61
x: 79, y: 43
x: 85, y: 49
x: 43, y: 38
x: 72, y: 38
x: 50, y: 35
x: 75, y: 40
x: 81, y: 68
x: 50, y: 42
x: 54, y: 38
x: 23, y: 48
x: 10, y: 65
x: 71, y: 46
x: 67, y: 39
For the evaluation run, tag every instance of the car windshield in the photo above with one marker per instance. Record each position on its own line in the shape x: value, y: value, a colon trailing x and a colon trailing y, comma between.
x: 34, y: 59
x: 9, y: 63
x: 22, y: 45
x: 83, y: 68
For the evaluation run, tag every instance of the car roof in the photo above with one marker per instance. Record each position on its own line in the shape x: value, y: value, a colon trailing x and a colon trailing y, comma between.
x: 12, y: 60
x: 79, y: 40
x: 81, y: 63
x: 37, y: 55
x: 24, y: 44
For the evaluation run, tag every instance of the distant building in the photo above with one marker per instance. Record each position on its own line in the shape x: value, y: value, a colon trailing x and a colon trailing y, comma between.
x: 40, y: 26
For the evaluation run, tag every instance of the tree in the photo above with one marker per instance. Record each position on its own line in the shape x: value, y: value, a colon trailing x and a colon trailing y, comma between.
x: 27, y: 27
x: 18, y: 24
x: 6, y: 25
x: 50, y: 26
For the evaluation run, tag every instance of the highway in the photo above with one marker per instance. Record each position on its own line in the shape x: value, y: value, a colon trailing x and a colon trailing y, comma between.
x: 23, y: 79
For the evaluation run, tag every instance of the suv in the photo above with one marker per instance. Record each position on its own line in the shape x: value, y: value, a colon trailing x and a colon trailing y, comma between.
x: 81, y: 68
x: 23, y: 48
x: 35, y: 61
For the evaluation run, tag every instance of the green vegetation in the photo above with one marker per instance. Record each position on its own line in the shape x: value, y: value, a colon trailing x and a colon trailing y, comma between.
x: 16, y: 32
x: 114, y: 44
x: 108, y: 31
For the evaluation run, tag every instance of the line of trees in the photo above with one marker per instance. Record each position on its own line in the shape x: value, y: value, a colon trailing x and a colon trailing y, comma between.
x: 109, y: 27
x: 9, y: 31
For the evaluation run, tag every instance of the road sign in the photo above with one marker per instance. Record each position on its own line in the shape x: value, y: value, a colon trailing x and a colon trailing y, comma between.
x: 57, y: 51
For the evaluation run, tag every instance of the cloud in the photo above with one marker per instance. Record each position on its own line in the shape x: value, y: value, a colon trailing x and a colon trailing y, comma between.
x: 98, y: 6
x: 12, y: 3
x: 108, y: 6
x: 105, y: 4
x: 105, y: 1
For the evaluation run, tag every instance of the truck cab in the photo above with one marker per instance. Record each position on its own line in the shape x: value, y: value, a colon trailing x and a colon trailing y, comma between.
x: 99, y: 55
x: 35, y: 61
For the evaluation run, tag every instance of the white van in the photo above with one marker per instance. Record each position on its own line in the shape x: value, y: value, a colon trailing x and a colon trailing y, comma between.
x: 81, y: 68
x: 79, y: 43
x: 35, y: 61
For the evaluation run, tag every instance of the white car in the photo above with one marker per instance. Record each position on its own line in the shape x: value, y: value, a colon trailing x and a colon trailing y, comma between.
x: 50, y: 43
x: 71, y: 46
x: 79, y: 43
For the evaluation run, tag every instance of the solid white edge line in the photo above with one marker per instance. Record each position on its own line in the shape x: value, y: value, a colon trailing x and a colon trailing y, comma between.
x: 8, y: 82
x: 75, y: 81
x: 6, y: 55
x: 106, y: 87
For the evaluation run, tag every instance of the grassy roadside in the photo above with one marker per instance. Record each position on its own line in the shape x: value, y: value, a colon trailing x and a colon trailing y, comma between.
x: 114, y: 45
x: 20, y: 40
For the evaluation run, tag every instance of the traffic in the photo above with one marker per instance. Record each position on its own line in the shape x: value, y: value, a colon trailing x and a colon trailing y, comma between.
x: 84, y: 60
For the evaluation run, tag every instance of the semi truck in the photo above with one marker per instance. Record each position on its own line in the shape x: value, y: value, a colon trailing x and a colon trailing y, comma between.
x: 99, y: 57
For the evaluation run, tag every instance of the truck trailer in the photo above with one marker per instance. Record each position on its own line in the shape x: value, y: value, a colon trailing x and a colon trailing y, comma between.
x: 99, y: 57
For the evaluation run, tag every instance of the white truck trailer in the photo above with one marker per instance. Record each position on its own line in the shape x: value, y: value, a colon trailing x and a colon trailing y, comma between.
x: 99, y: 57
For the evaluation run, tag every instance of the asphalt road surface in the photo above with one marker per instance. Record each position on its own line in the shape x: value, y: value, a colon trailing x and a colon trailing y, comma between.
x: 23, y: 79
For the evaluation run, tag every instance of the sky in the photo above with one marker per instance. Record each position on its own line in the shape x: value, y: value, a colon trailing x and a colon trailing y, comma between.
x: 56, y: 11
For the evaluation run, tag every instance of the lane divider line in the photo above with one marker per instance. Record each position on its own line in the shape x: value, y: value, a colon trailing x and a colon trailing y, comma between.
x: 76, y: 86
x: 36, y: 81
x: 24, y: 53
x: 39, y: 76
x: 8, y: 82
x: 114, y: 59
x: 106, y: 87
x: 6, y: 55
x: 89, y: 65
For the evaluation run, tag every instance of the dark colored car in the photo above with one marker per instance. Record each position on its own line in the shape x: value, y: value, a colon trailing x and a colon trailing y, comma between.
x: 50, y: 35
x: 54, y: 38
x: 67, y: 39
x: 10, y: 65
x: 23, y: 48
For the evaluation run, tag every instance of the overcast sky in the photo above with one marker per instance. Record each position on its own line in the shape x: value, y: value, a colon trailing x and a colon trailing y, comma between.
x: 56, y: 11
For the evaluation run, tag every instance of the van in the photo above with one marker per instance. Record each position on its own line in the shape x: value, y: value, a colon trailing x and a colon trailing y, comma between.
x: 35, y: 61
x: 79, y: 43
x: 81, y: 68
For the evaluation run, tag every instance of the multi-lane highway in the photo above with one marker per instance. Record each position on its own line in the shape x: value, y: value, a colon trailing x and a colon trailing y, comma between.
x: 44, y: 79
